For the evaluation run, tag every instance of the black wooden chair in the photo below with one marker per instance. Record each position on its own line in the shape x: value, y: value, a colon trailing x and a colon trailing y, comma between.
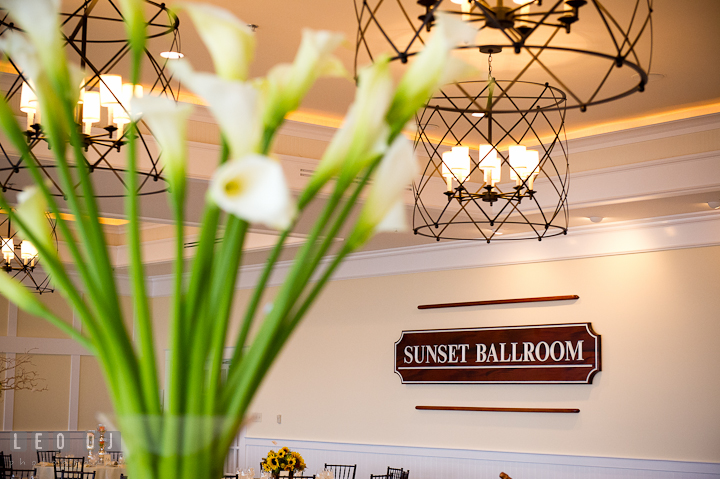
x: 47, y: 456
x: 24, y: 473
x: 70, y: 468
x: 295, y: 476
x: 7, y: 465
x: 4, y: 471
x: 77, y: 475
x: 123, y: 476
x: 394, y: 473
x: 114, y: 455
x: 228, y: 476
x: 342, y: 471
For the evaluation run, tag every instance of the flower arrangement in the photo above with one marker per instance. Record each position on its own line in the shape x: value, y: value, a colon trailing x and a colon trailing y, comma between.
x: 187, y: 435
x: 283, y: 460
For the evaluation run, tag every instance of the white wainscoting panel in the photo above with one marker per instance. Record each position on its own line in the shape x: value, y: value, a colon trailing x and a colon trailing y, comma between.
x: 437, y: 463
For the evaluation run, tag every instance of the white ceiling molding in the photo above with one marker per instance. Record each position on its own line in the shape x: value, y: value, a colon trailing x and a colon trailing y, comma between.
x: 645, y: 133
x: 688, y: 231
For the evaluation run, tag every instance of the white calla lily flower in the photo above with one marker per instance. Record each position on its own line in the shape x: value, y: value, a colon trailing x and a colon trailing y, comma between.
x: 23, y: 53
x: 395, y: 220
x: 286, y: 85
x: 383, y: 207
x: 234, y: 105
x: 167, y: 120
x: 39, y: 19
x: 254, y: 189
x: 363, y: 134
x: 433, y: 67
x: 31, y: 209
x: 230, y: 41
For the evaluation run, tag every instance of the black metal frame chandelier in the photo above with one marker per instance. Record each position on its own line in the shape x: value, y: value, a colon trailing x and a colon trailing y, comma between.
x: 501, y: 189
x: 20, y: 259
x: 535, y: 33
x: 497, y: 164
x: 94, y: 36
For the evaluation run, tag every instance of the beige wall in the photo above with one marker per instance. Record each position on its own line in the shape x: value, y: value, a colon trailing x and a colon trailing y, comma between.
x: 656, y: 397
x: 45, y: 410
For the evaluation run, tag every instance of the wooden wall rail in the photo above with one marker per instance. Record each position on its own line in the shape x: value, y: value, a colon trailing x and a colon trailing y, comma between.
x: 496, y: 409
x: 500, y: 301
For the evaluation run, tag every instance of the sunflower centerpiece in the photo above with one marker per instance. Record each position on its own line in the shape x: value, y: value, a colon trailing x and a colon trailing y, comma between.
x: 284, y: 460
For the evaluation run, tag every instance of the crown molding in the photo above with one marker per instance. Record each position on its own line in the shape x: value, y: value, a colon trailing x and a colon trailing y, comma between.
x: 661, y: 234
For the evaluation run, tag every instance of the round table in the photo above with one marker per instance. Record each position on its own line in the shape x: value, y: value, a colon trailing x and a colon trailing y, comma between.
x: 101, y: 472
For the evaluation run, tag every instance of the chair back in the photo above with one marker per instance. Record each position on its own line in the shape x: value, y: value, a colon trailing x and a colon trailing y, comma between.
x: 70, y: 468
x: 7, y: 465
x: 24, y: 473
x: 77, y: 475
x: 47, y: 456
x: 406, y: 474
x: 3, y: 472
x: 342, y: 471
x: 114, y: 455
x: 295, y: 476
x: 231, y: 476
x: 394, y: 473
x: 123, y: 476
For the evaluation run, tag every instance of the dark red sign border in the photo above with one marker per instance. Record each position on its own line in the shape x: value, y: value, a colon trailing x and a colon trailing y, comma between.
x: 588, y: 326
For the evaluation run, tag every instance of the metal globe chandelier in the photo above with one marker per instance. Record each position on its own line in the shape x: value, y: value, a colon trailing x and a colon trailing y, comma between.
x: 20, y: 257
x: 95, y: 38
x: 499, y: 169
x: 534, y: 40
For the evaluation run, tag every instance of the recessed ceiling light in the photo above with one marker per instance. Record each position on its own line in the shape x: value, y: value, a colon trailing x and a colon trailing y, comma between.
x: 714, y: 204
x: 172, y: 55
x: 478, y: 115
x: 596, y: 219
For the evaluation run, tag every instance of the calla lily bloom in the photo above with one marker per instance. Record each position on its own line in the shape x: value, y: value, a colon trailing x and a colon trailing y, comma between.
x: 286, y: 85
x: 363, y: 135
x: 432, y: 68
x: 31, y: 209
x: 167, y: 120
x: 383, y: 209
x: 254, y: 189
x: 230, y: 41
x: 233, y: 104
x: 39, y: 19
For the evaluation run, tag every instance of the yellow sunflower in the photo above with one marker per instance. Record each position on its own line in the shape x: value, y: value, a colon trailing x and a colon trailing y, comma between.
x: 273, y: 462
x: 283, y: 452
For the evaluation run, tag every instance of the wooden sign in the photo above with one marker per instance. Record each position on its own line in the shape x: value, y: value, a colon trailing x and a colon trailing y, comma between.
x: 553, y: 353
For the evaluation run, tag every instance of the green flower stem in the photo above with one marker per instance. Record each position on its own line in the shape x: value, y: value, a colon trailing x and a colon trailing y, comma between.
x: 221, y: 297
x: 118, y: 358
x: 257, y: 296
x: 9, y: 125
x: 244, y: 380
x: 236, y: 369
x: 54, y: 266
x: 146, y: 347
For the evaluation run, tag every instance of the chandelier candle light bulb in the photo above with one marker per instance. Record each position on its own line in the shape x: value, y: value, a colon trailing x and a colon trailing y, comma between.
x: 28, y: 103
x: 91, y: 110
x: 28, y: 253
x: 110, y: 93
x: 490, y: 164
x: 120, y: 110
x: 8, y: 249
x: 456, y: 164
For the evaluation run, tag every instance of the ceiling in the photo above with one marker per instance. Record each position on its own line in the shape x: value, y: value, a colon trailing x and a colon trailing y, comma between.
x: 629, y: 138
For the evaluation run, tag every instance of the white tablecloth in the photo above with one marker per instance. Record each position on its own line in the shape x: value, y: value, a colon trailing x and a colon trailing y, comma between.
x: 101, y: 472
